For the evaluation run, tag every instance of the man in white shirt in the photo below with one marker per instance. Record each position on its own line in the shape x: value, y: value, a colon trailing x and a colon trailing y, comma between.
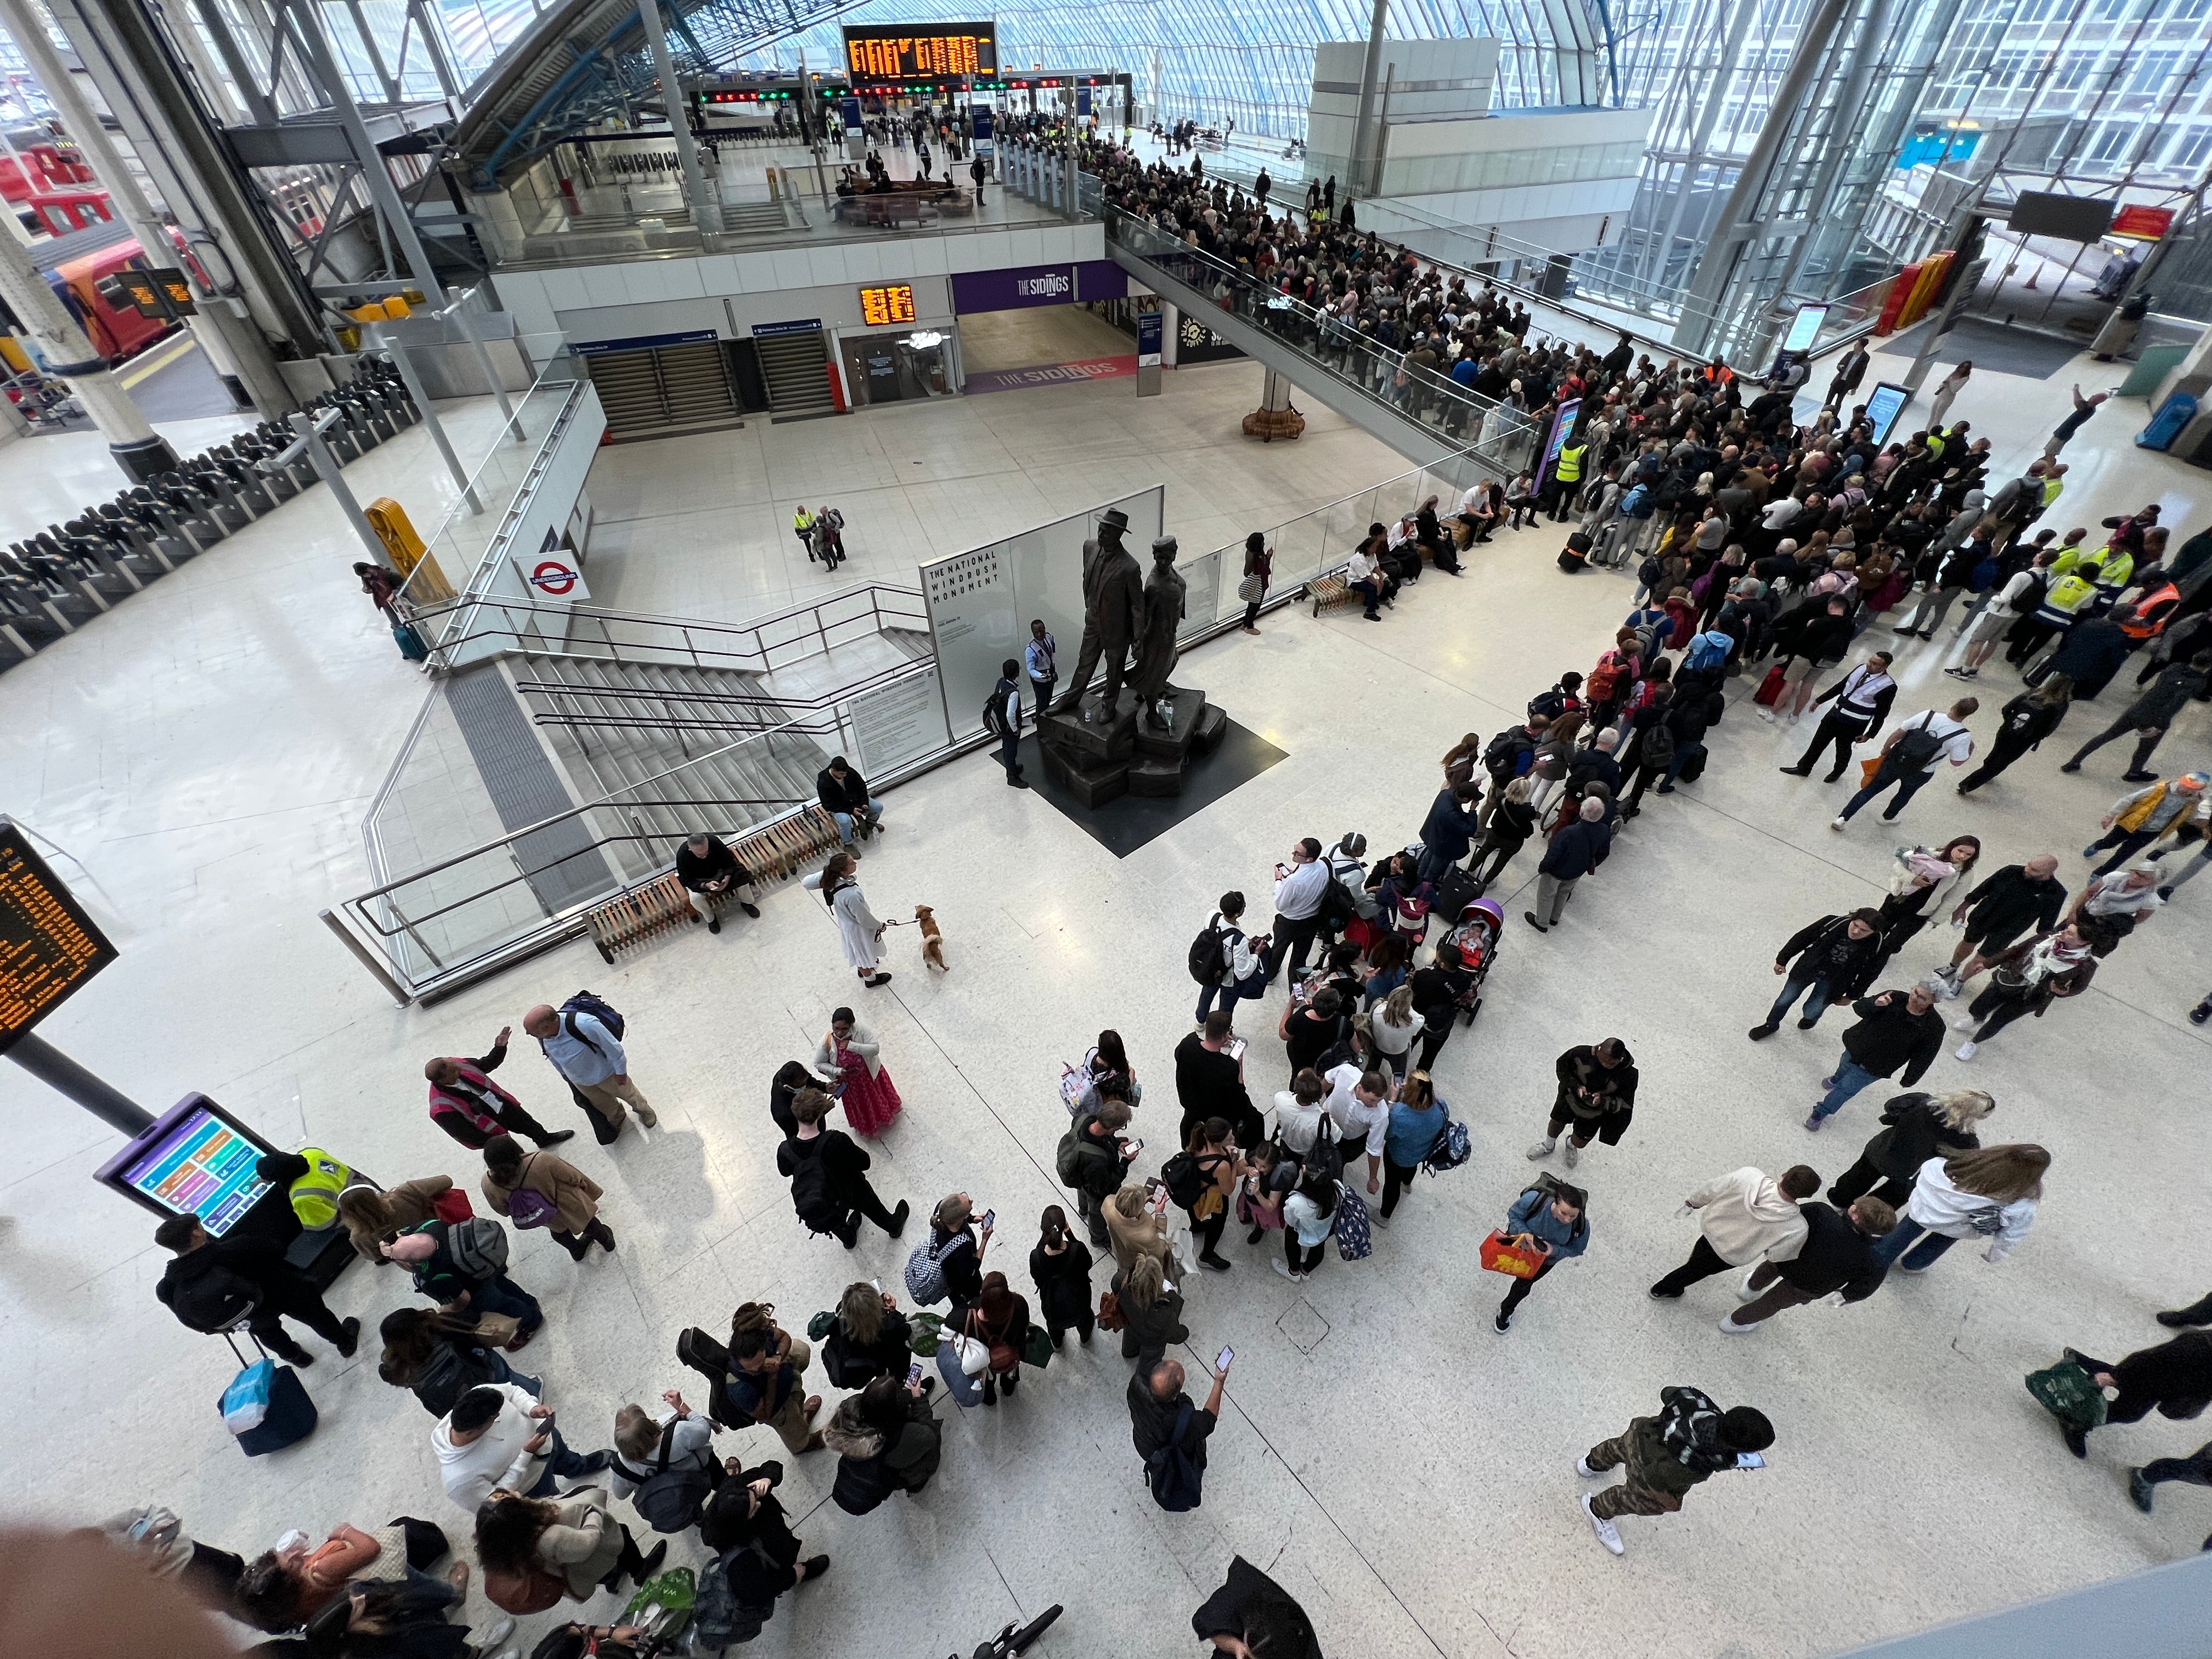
x: 2003, y: 609
x: 1909, y: 754
x: 1300, y: 887
x: 498, y: 1436
x: 1358, y: 1104
x: 1364, y: 576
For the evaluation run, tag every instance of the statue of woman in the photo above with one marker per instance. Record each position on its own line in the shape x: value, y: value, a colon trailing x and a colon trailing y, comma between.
x: 1164, y: 591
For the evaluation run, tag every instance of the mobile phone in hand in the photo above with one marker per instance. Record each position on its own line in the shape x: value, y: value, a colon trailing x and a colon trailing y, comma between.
x: 1221, y: 1360
x: 914, y: 1373
x: 1236, y: 1049
x: 990, y: 1216
x: 1749, y: 1460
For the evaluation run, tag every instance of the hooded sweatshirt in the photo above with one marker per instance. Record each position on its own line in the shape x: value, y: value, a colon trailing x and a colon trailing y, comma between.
x: 494, y: 1458
x: 1938, y: 1205
x: 1747, y: 1218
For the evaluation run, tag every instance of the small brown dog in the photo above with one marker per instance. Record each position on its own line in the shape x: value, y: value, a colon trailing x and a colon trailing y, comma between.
x: 932, y: 939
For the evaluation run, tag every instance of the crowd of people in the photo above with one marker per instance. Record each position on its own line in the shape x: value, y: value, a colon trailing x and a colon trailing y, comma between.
x: 1768, y: 549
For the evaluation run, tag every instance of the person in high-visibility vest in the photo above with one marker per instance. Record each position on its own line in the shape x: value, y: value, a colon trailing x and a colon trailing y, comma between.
x: 802, y: 526
x: 313, y: 1180
x: 1567, y: 478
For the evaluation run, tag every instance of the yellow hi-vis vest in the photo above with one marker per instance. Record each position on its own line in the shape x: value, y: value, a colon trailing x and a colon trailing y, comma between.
x: 1569, y: 469
x: 314, y: 1195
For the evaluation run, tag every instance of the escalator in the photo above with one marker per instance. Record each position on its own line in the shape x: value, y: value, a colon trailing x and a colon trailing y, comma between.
x: 1429, y: 418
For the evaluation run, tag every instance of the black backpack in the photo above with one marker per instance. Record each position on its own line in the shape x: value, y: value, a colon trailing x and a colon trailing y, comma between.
x: 1338, y: 906
x: 862, y: 1484
x: 671, y: 1497
x: 1186, y: 1175
x: 214, y: 1301
x: 1915, y: 750
x: 994, y: 708
x: 1209, y: 952
x: 810, y: 1197
x: 2030, y: 598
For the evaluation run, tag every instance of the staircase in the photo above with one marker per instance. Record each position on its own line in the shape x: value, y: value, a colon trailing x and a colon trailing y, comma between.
x: 617, y: 726
x: 797, y: 369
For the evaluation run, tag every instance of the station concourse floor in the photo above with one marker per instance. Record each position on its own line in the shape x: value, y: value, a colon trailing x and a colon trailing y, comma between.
x: 207, y: 751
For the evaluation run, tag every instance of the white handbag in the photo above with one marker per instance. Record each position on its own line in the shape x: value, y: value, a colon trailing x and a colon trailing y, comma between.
x: 974, y: 1356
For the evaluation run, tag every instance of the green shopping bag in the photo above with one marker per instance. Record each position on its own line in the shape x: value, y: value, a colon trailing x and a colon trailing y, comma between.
x: 1037, y: 1348
x: 2069, y: 1393
x: 662, y: 1606
x: 927, y: 1333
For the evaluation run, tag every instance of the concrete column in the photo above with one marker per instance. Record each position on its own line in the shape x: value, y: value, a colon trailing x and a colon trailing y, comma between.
x: 137, y: 449
x: 706, y: 201
x: 1362, y: 144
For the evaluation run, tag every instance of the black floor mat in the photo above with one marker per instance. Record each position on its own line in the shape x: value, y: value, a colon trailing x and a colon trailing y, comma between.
x: 1124, y: 825
x: 1989, y: 345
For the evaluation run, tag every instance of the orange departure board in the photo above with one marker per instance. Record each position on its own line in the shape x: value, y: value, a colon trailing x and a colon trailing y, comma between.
x: 48, y: 944
x: 915, y: 51
x: 891, y: 303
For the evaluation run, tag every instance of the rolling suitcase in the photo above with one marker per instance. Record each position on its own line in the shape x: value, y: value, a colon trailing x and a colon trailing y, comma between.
x: 267, y: 1407
x: 1455, y: 892
x: 1576, y: 553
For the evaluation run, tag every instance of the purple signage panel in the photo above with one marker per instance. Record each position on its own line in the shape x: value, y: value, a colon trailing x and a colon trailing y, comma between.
x: 1009, y: 290
x: 1101, y: 279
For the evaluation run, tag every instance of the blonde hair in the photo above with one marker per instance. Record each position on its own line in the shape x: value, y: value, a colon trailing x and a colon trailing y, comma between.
x: 1398, y: 1006
x: 1962, y: 1107
x: 365, y: 1208
x: 2003, y: 1173
x: 862, y: 1312
x: 1130, y: 1200
x: 1141, y: 1285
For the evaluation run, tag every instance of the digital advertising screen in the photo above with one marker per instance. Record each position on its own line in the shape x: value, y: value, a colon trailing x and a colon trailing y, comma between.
x: 1883, y: 405
x: 1804, y: 328
x: 1562, y: 424
x: 921, y: 50
x: 196, y: 1160
x: 49, y: 945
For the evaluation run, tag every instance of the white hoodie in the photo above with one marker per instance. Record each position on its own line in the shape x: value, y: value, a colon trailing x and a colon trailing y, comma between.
x: 1941, y: 1207
x: 494, y: 1458
x: 1747, y: 1218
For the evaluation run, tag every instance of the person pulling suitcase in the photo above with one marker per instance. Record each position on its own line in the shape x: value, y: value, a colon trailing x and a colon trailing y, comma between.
x: 215, y: 1282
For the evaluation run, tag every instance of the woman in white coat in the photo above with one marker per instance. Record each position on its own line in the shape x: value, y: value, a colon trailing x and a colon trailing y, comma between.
x: 858, y: 930
x: 1923, y: 883
x: 1946, y: 393
x: 1990, y: 1194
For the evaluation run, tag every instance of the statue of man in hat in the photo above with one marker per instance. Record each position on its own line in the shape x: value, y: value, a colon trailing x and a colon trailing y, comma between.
x: 1165, y: 591
x: 1112, y: 611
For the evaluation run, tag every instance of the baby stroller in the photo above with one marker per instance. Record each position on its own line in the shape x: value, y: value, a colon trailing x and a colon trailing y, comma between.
x: 1467, y: 951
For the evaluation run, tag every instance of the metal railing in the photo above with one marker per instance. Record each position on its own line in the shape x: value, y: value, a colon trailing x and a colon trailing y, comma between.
x: 776, y: 641
x: 1495, y: 435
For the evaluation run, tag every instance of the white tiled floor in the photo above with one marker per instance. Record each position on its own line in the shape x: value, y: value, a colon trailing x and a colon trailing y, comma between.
x: 207, y: 750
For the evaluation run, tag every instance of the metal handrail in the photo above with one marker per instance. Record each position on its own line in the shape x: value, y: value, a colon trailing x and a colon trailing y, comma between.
x: 756, y: 657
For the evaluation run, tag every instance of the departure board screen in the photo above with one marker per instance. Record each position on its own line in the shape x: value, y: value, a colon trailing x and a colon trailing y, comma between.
x: 48, y: 944
x: 893, y: 303
x: 911, y: 50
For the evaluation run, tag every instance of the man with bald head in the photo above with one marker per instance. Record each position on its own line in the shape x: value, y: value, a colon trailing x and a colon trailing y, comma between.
x: 590, y: 1057
x: 469, y: 1107
x: 2017, y: 899
x: 1161, y: 1414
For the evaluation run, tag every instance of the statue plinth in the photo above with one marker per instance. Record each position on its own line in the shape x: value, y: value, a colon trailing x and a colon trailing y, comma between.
x: 1099, y: 759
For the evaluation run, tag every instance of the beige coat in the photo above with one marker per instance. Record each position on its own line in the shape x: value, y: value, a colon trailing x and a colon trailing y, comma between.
x: 583, y: 1546
x: 564, y: 1186
x: 1745, y: 1218
x: 1147, y: 1235
x: 410, y: 1202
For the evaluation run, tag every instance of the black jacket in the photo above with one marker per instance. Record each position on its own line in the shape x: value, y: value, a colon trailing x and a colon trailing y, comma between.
x: 1829, y: 949
x: 1151, y: 1329
x: 2167, y: 696
x: 2026, y: 721
x: 1592, y: 765
x: 859, y: 1364
x: 1063, y: 1282
x: 694, y: 871
x: 844, y: 1161
x: 1229, y: 1610
x: 1915, y: 1135
x: 2010, y: 902
x: 1811, y: 632
x: 2093, y: 653
x: 1099, y: 1159
x: 847, y: 797
x: 259, y: 1262
x: 1836, y: 1256
x: 1614, y: 1086
x: 1889, y: 1035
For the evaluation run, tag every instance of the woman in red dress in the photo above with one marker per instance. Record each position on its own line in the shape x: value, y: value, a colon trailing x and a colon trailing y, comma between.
x: 848, y: 1053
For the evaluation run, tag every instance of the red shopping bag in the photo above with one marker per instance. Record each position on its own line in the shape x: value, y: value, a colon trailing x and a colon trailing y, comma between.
x: 1770, y: 688
x: 1500, y: 1255
x: 451, y: 1205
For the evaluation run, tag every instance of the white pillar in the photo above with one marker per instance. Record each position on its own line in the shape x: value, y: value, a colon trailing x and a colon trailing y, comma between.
x: 70, y: 356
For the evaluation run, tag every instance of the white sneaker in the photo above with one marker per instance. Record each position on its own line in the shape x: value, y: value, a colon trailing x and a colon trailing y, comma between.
x: 1766, y: 715
x: 1837, y: 823
x: 1574, y: 1155
x: 1281, y: 1267
x: 1965, y: 1022
x: 1582, y: 1468
x: 1608, y: 1533
x: 1966, y: 1050
x: 1744, y: 1293
x: 1379, y: 1218
x: 1729, y: 1324
x: 1543, y: 1149
x: 497, y: 1633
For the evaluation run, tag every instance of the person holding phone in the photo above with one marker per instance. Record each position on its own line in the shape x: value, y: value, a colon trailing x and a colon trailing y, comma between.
x: 1549, y: 1218
x: 1060, y: 1267
x: 887, y: 1439
x: 1690, y: 1441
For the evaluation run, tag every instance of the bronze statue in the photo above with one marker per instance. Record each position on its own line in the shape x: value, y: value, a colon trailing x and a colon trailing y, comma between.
x: 1112, y: 611
x: 1165, y: 595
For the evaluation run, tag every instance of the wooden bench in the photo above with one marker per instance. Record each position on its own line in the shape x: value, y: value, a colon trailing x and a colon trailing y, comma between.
x: 774, y: 853
x: 1329, y: 590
